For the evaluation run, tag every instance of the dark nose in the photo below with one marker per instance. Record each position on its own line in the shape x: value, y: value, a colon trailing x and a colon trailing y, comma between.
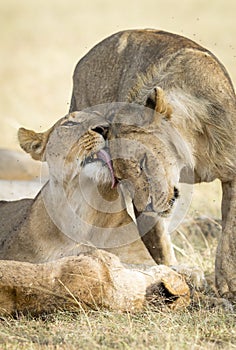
x: 102, y: 130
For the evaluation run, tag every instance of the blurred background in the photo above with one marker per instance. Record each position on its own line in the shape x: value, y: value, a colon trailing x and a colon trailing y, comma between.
x: 41, y: 42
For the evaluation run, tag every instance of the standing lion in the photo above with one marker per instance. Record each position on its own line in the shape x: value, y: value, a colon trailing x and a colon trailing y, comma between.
x: 131, y: 66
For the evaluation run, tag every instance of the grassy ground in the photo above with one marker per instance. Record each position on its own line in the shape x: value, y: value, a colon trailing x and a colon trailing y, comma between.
x: 40, y: 45
x: 197, y: 327
x: 106, y: 330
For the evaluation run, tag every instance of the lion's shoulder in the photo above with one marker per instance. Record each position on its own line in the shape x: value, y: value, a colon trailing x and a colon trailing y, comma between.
x: 13, y: 214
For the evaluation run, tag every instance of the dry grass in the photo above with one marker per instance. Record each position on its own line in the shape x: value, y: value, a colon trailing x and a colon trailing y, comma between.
x: 192, y: 328
x: 106, y: 330
x: 40, y: 45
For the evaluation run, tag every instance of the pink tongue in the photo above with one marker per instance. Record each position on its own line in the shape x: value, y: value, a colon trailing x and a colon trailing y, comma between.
x: 102, y: 154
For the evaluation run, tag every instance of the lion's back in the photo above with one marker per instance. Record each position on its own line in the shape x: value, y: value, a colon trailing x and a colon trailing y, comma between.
x: 128, y: 65
x: 110, y: 69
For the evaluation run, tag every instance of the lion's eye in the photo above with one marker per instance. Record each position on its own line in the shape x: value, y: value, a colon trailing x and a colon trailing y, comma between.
x: 70, y: 123
x: 143, y: 162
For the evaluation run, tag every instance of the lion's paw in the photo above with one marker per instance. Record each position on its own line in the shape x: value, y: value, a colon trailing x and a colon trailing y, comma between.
x: 194, y: 276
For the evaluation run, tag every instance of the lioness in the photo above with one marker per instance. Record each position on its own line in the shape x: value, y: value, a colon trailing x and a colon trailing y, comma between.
x: 96, y: 279
x: 82, y: 204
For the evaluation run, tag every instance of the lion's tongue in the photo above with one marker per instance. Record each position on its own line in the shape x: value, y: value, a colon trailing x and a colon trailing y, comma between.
x: 105, y: 156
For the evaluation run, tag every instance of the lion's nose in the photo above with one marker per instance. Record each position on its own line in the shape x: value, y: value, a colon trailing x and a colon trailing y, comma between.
x: 102, y: 130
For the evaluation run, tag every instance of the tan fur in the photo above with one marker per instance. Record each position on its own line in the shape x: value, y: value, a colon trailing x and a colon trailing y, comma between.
x: 32, y: 142
x: 191, y: 130
x: 30, y: 233
x: 47, y: 239
x: 41, y: 240
x: 96, y: 280
x: 129, y: 246
x: 202, y: 97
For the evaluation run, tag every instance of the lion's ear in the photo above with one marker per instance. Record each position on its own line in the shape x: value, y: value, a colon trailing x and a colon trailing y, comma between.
x: 156, y: 101
x: 34, y: 143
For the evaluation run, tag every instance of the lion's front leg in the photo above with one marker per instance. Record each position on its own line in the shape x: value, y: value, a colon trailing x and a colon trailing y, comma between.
x: 156, y: 239
x: 226, y: 251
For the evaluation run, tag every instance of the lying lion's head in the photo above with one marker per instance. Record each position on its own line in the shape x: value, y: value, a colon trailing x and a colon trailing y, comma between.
x: 130, y: 147
x: 75, y: 143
